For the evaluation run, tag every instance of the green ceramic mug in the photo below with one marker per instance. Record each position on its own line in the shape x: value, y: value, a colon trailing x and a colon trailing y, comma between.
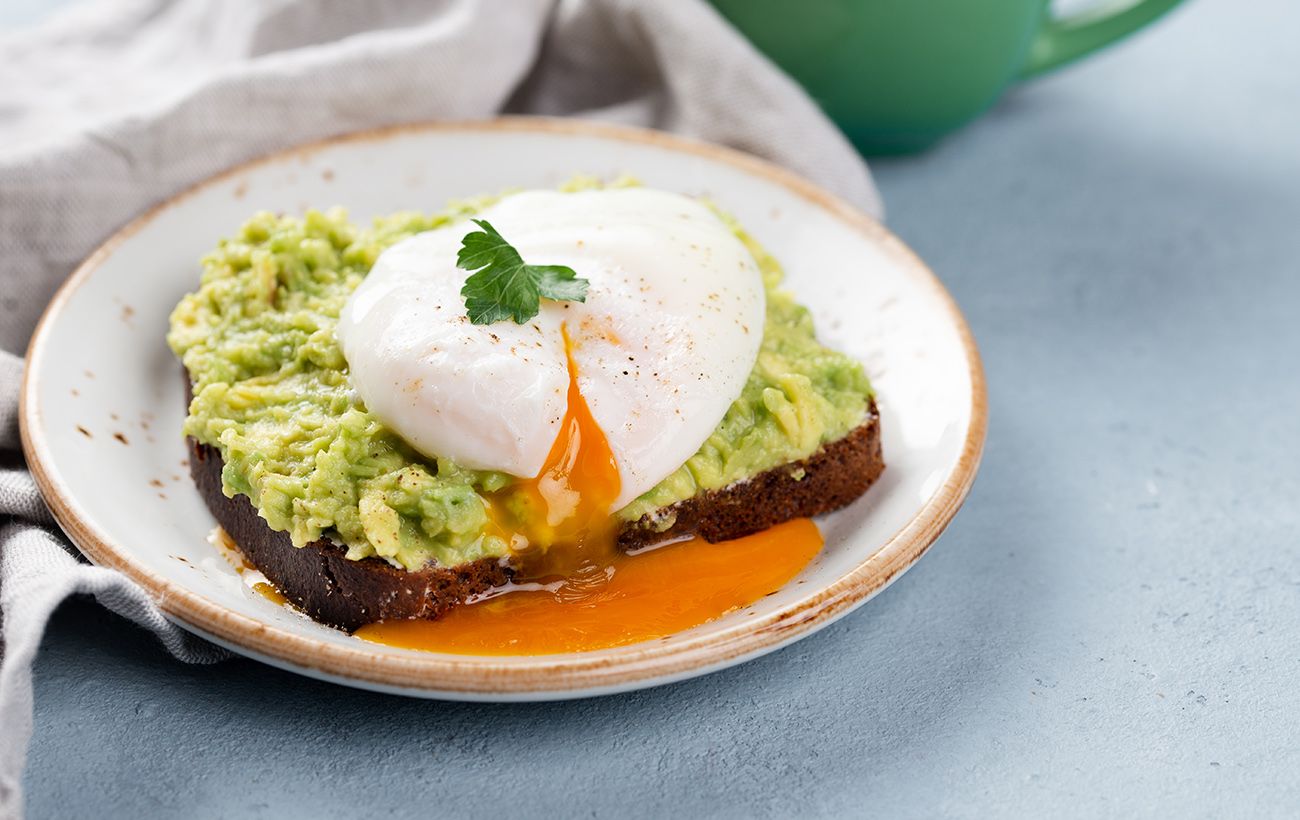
x: 898, y: 74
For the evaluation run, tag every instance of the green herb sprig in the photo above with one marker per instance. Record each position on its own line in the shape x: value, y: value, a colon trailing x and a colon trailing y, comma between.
x: 505, y: 287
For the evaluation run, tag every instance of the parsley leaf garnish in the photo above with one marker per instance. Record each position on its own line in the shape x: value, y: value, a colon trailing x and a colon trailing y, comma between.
x: 504, y: 286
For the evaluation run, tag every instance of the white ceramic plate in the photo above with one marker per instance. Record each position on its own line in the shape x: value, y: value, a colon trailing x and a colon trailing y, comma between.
x: 103, y: 403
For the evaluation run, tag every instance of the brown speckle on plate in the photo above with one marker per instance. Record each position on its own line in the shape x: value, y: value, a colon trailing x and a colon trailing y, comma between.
x: 121, y: 438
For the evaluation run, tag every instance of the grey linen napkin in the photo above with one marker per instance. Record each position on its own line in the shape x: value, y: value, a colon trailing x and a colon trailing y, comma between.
x: 116, y: 105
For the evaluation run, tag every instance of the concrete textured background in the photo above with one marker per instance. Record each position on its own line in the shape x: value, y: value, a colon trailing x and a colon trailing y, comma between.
x: 1110, y: 625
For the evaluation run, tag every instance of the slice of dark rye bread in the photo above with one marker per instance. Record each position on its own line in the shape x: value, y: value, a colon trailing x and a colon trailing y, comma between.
x: 320, y: 580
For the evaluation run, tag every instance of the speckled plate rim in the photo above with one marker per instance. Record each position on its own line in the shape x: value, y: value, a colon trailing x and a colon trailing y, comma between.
x: 538, y: 677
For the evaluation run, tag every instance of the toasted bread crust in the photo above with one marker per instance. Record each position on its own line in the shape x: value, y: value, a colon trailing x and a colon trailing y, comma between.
x: 829, y: 479
x: 319, y: 579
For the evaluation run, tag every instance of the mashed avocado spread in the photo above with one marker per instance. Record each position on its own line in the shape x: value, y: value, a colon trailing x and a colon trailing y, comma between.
x: 271, y: 393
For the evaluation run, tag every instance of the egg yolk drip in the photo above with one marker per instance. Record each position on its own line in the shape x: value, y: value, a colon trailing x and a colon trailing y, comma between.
x: 574, y: 591
x: 563, y: 516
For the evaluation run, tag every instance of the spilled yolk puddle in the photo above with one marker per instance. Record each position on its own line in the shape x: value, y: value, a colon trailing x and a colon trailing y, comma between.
x: 252, y: 577
x: 650, y: 595
x: 270, y: 593
x: 574, y: 590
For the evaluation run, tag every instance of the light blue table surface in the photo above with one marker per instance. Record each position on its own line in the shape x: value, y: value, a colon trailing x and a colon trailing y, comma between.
x: 1110, y: 626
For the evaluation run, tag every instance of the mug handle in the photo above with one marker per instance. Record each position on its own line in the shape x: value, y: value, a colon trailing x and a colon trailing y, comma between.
x: 1064, y: 39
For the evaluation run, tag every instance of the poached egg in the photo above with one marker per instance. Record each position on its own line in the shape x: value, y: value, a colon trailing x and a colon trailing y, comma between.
x: 651, y: 361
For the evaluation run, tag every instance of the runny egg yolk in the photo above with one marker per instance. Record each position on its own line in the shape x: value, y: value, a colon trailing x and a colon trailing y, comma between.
x: 574, y: 591
x: 563, y: 514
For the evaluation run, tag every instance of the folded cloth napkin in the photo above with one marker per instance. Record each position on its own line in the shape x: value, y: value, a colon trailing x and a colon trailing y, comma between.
x: 116, y: 105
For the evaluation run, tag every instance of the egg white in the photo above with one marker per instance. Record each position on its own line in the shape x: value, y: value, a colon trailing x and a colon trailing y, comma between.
x: 663, y: 344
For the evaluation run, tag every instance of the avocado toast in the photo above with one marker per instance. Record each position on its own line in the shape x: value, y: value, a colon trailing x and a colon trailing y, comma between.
x: 355, y: 525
